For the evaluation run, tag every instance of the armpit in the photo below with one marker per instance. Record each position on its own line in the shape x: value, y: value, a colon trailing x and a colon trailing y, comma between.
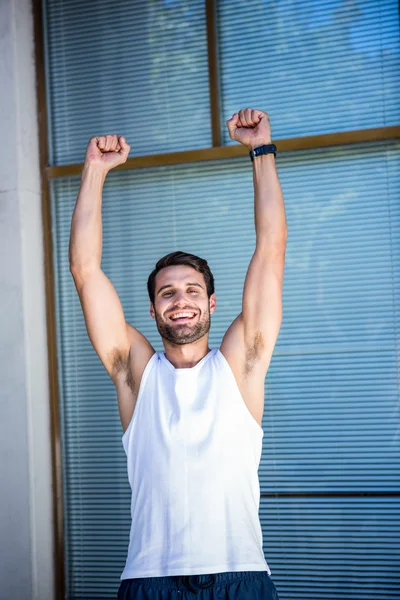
x: 253, y: 353
x: 121, y: 363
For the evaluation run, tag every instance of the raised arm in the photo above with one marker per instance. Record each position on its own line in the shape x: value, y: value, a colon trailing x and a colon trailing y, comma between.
x: 250, y: 340
x: 113, y: 339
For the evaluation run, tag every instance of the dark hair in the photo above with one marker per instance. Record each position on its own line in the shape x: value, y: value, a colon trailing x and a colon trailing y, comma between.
x: 181, y: 258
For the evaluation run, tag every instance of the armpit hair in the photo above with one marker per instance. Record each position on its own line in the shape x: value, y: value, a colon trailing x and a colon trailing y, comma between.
x: 121, y: 363
x: 253, y: 352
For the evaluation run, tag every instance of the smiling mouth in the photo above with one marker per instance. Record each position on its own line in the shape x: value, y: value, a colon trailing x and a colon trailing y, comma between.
x: 183, y: 319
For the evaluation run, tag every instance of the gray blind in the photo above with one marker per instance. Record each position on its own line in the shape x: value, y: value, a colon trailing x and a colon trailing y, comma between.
x: 331, y: 416
x: 314, y: 66
x: 139, y: 67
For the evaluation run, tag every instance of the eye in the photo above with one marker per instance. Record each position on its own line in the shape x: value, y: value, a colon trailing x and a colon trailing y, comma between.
x: 166, y: 294
x: 194, y: 291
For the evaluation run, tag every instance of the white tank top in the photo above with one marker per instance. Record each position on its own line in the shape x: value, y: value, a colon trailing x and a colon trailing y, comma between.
x: 193, y: 451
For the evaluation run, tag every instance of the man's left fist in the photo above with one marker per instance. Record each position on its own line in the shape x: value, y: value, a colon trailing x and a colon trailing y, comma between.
x: 250, y: 127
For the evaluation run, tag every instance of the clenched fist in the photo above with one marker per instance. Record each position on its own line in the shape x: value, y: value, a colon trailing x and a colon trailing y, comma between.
x: 250, y: 127
x: 107, y: 151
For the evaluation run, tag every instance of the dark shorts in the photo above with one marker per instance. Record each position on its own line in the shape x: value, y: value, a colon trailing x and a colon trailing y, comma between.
x: 240, y: 585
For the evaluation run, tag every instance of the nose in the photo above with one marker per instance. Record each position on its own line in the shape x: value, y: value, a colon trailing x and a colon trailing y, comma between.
x: 180, y: 298
x: 184, y: 305
x: 182, y: 301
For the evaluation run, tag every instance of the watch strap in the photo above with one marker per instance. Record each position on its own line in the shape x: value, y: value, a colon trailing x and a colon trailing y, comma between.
x: 265, y: 149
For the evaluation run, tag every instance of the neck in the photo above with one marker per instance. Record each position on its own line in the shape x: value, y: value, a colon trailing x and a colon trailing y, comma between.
x: 186, y: 356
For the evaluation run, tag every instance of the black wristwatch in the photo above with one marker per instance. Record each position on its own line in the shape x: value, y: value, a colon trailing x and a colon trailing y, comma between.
x: 266, y: 149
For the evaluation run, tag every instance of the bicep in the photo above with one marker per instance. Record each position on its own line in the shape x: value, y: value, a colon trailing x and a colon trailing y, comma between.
x: 262, y: 306
x: 262, y: 295
x: 249, y: 342
x: 110, y: 335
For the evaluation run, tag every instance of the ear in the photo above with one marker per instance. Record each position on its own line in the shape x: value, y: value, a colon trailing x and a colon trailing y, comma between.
x: 152, y: 310
x: 213, y: 303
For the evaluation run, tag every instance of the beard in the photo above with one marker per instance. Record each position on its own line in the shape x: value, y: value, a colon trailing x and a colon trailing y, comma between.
x: 184, y: 333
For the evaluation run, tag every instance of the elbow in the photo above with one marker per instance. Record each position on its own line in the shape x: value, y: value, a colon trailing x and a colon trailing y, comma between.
x: 78, y: 271
x: 272, y: 244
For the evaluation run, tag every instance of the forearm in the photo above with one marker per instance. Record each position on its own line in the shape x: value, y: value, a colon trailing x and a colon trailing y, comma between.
x: 85, y: 246
x: 269, y: 209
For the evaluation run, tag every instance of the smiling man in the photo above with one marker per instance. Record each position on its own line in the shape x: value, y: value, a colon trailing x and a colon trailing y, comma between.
x: 192, y: 416
x: 184, y: 302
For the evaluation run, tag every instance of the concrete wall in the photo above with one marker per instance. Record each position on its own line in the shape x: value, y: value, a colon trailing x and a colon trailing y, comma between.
x: 26, y: 527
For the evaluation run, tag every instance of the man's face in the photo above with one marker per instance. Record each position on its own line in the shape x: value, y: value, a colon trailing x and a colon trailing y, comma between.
x: 181, y: 290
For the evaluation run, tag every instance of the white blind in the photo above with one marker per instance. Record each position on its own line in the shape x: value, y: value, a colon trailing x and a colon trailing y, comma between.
x: 329, y: 471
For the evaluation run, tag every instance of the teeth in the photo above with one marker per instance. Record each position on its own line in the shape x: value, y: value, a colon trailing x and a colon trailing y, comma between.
x: 179, y: 315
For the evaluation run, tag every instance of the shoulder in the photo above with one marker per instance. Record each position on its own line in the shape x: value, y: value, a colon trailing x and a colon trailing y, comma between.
x: 250, y: 384
x: 245, y: 357
x: 129, y: 374
x: 141, y: 351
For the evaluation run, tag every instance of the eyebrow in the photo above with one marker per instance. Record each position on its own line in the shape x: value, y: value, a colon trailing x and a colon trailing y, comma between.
x: 170, y: 285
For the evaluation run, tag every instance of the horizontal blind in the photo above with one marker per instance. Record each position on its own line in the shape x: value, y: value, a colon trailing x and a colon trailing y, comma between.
x: 331, y: 416
x: 315, y: 67
x: 138, y: 69
x: 334, y: 548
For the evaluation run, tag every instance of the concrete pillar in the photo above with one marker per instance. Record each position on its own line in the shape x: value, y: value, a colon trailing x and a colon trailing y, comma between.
x: 26, y: 512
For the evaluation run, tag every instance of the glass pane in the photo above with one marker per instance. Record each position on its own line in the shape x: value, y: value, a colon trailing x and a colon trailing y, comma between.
x: 138, y: 69
x: 315, y: 67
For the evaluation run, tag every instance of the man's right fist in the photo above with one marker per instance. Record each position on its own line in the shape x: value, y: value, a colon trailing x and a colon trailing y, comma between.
x: 107, y: 151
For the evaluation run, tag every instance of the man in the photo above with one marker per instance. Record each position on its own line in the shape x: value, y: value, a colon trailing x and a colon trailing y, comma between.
x: 191, y: 416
